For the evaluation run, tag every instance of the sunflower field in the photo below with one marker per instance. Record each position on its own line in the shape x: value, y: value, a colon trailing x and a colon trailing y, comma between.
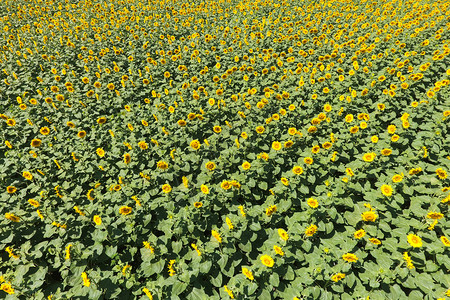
x: 255, y: 149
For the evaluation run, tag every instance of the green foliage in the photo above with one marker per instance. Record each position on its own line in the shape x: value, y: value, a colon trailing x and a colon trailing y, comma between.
x: 230, y: 149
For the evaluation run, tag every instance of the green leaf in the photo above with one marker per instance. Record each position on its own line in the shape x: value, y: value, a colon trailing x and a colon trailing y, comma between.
x: 197, y: 294
x: 274, y: 279
x: 217, y: 280
x: 262, y: 185
x: 350, y: 280
x: 223, y: 261
x: 158, y: 267
x: 304, y: 189
x: 205, y: 267
x: 178, y: 287
x: 111, y: 251
x: 176, y: 246
x: 252, y: 287
x: 424, y: 282
x: 99, y: 235
x: 255, y: 226
x: 265, y: 295
x: 289, y: 273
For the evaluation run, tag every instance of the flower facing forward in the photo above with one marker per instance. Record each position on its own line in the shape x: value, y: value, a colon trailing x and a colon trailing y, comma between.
x: 267, y: 261
x: 414, y: 240
x: 313, y: 203
x: 368, y: 157
x: 369, y: 216
x: 195, y: 144
x: 310, y: 230
x: 359, y: 234
x: 125, y: 210
x: 276, y: 145
x: 386, y: 190
x: 97, y: 220
x: 166, y: 188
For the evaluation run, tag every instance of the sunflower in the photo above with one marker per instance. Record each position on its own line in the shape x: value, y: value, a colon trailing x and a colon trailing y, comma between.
x: 414, y: 240
x: 313, y: 203
x: 143, y: 145
x: 216, y: 235
x: 375, y: 241
x: 44, y: 130
x: 36, y: 143
x: 435, y: 215
x: 397, y: 178
x: 368, y: 157
x: 359, y: 234
x: 354, y: 129
x: 270, y: 210
x: 246, y: 165
x: 166, y: 188
x: 297, y: 170
x: 247, y: 273
x: 283, y: 234
x: 310, y: 230
x: 391, y: 129
x: 267, y: 260
x: 369, y: 216
x: 337, y: 277
x: 349, y: 118
x: 210, y: 165
x: 445, y: 241
x: 350, y: 257
x: 315, y: 149
x: 386, y: 152
x: 11, y: 122
x: 441, y: 173
x: 100, y: 152
x: 97, y: 220
x: 101, y: 120
x: 226, y: 185
x: 204, y: 189
x: 292, y: 131
x: 386, y: 190
x: 81, y: 134
x: 217, y: 129
x: 312, y: 129
x: 11, y: 189
x: 276, y: 145
x: 27, y: 175
x: 162, y: 165
x: 195, y: 144
x: 260, y: 129
x: 33, y: 202
x: 308, y: 160
x: 125, y: 210
x: 127, y: 158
